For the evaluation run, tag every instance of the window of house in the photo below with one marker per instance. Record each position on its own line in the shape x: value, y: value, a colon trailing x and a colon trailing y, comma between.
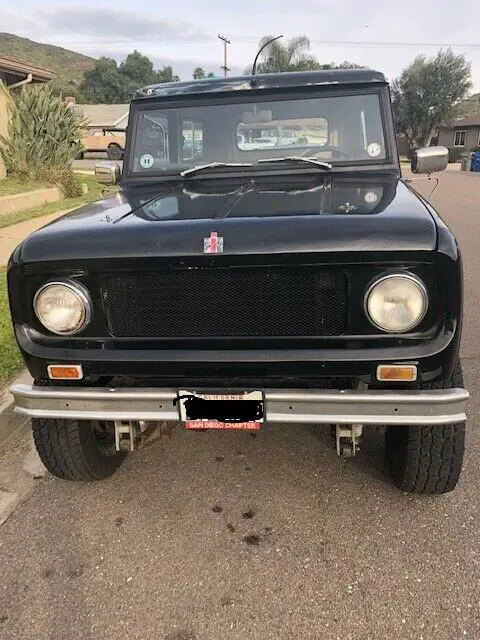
x: 459, y: 140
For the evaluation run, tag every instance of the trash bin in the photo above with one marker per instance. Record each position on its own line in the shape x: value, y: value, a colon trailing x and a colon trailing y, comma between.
x: 466, y: 160
x: 476, y: 161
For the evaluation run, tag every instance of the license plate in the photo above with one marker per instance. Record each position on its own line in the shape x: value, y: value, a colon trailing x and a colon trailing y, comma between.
x: 240, y: 411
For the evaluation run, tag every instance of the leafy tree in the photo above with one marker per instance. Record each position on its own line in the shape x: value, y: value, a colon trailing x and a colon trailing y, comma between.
x: 165, y: 74
x: 198, y: 74
x: 289, y: 56
x: 109, y: 83
x: 104, y: 83
x: 42, y: 138
x: 138, y: 69
x: 427, y: 94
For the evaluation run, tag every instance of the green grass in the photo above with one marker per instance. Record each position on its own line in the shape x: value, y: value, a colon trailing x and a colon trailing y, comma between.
x: 11, y: 186
x: 94, y: 193
x: 11, y: 361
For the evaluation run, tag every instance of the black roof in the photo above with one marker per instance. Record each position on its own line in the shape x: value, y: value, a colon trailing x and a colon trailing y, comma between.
x: 263, y: 81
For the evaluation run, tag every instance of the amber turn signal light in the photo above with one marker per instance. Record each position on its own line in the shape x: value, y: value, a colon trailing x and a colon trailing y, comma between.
x: 397, y: 373
x: 65, y: 371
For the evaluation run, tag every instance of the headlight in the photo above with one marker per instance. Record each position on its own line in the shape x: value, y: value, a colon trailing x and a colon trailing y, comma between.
x: 62, y: 307
x: 396, y: 303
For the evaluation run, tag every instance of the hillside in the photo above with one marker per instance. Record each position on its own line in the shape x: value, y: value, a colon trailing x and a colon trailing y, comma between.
x: 470, y: 108
x: 68, y: 66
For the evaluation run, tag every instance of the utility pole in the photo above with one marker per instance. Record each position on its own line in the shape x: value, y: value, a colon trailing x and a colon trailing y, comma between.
x: 225, y: 43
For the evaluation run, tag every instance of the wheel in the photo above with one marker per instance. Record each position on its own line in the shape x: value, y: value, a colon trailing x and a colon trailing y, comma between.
x: 114, y: 152
x: 77, y: 449
x: 424, y: 459
x: 80, y: 155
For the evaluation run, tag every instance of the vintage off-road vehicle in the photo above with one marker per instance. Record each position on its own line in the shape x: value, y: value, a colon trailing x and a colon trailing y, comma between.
x: 229, y: 283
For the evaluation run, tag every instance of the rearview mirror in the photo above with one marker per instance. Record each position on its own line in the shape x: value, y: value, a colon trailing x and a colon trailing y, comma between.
x: 429, y: 159
x: 107, y: 172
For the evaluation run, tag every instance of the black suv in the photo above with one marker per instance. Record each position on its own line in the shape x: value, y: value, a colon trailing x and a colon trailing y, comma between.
x: 263, y: 261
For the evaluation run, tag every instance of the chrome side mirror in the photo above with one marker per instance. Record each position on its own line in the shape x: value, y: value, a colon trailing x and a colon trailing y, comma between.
x: 429, y: 159
x: 108, y: 172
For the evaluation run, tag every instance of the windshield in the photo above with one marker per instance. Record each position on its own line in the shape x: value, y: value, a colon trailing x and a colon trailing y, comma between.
x: 334, y: 129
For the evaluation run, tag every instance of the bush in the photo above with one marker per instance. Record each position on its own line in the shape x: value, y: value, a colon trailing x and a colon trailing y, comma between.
x: 43, y: 134
x: 454, y: 154
x: 66, y: 179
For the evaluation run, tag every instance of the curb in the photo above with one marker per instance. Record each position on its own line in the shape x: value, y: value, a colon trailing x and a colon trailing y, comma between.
x: 10, y: 421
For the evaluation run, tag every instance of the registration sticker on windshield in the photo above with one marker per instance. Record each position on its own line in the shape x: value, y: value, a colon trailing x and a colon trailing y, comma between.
x: 374, y: 149
x: 146, y: 161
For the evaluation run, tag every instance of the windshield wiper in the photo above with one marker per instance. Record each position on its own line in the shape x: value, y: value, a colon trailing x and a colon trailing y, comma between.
x: 213, y: 165
x: 323, y: 165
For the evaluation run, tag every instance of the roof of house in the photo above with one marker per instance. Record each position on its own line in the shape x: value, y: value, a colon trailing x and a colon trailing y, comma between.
x: 102, y: 115
x: 462, y: 122
x: 264, y: 81
x: 17, y: 67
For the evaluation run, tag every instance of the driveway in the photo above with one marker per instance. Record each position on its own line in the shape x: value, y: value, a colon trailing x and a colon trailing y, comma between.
x: 231, y: 537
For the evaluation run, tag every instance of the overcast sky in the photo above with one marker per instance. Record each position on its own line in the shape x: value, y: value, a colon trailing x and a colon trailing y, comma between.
x: 381, y: 34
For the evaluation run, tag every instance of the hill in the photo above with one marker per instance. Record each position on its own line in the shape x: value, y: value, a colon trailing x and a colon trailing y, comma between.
x: 69, y: 66
x: 470, y: 108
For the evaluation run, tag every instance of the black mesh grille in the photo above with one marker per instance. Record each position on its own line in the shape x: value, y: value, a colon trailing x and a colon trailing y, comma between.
x: 221, y: 302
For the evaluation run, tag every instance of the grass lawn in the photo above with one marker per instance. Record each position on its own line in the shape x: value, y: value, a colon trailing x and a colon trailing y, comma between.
x: 11, y: 186
x: 10, y: 361
x: 94, y: 193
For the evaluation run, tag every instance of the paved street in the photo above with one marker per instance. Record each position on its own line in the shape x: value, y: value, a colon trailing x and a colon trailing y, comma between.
x: 232, y: 537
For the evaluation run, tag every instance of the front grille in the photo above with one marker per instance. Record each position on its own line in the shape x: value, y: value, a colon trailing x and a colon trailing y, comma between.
x: 226, y: 302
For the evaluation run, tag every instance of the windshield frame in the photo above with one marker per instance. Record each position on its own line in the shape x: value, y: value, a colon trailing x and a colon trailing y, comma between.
x: 258, y: 96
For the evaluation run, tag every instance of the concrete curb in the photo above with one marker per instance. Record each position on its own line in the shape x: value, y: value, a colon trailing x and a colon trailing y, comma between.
x: 28, y: 200
x: 10, y: 421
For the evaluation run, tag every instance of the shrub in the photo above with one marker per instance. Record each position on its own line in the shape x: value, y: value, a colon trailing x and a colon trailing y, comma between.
x: 454, y: 154
x: 43, y: 134
x: 66, y: 179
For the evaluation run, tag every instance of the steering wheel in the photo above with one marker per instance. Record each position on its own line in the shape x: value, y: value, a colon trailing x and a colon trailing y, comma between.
x: 336, y: 152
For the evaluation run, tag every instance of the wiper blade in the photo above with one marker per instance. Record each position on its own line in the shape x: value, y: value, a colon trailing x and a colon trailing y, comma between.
x: 213, y: 165
x: 326, y: 166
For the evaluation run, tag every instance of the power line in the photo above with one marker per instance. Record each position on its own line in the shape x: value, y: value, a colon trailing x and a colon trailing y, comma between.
x: 226, y: 42
x: 205, y: 39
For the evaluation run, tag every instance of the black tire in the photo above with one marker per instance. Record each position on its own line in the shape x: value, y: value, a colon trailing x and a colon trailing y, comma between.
x: 114, y: 152
x: 77, y: 450
x: 80, y: 155
x: 424, y: 459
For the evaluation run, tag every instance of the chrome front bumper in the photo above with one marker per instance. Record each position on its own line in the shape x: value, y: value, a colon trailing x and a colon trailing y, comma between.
x: 438, y: 407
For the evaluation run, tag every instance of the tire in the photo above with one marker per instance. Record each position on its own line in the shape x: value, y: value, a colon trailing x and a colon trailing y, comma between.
x: 114, y: 152
x: 80, y: 155
x: 427, y: 459
x: 77, y: 450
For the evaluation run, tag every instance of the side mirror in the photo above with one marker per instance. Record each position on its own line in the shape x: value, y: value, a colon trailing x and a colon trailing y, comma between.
x: 429, y: 159
x: 107, y: 172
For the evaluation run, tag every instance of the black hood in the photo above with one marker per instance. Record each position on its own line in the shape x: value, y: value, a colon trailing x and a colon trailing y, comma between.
x: 252, y: 216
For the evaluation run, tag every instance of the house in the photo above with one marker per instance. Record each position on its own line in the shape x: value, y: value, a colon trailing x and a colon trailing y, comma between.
x: 101, y: 116
x: 14, y: 74
x: 462, y: 134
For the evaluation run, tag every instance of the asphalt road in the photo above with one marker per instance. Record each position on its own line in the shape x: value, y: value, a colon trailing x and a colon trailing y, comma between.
x: 228, y: 537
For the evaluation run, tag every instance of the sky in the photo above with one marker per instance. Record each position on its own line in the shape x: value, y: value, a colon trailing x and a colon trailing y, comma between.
x: 384, y: 35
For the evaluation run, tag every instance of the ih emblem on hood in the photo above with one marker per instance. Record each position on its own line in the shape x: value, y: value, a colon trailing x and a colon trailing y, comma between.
x: 213, y: 244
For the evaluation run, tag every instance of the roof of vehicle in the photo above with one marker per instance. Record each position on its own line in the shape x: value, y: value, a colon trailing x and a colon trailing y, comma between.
x: 263, y: 81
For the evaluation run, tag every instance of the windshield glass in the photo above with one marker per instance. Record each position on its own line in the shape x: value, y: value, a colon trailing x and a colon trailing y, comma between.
x: 343, y: 128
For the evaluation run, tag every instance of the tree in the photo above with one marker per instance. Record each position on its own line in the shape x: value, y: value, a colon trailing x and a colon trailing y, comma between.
x: 428, y: 93
x: 165, y: 74
x: 110, y: 83
x: 104, y: 83
x: 138, y: 69
x: 198, y: 74
x: 289, y: 56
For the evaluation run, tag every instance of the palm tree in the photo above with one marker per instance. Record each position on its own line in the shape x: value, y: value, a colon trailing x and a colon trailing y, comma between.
x: 290, y: 56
